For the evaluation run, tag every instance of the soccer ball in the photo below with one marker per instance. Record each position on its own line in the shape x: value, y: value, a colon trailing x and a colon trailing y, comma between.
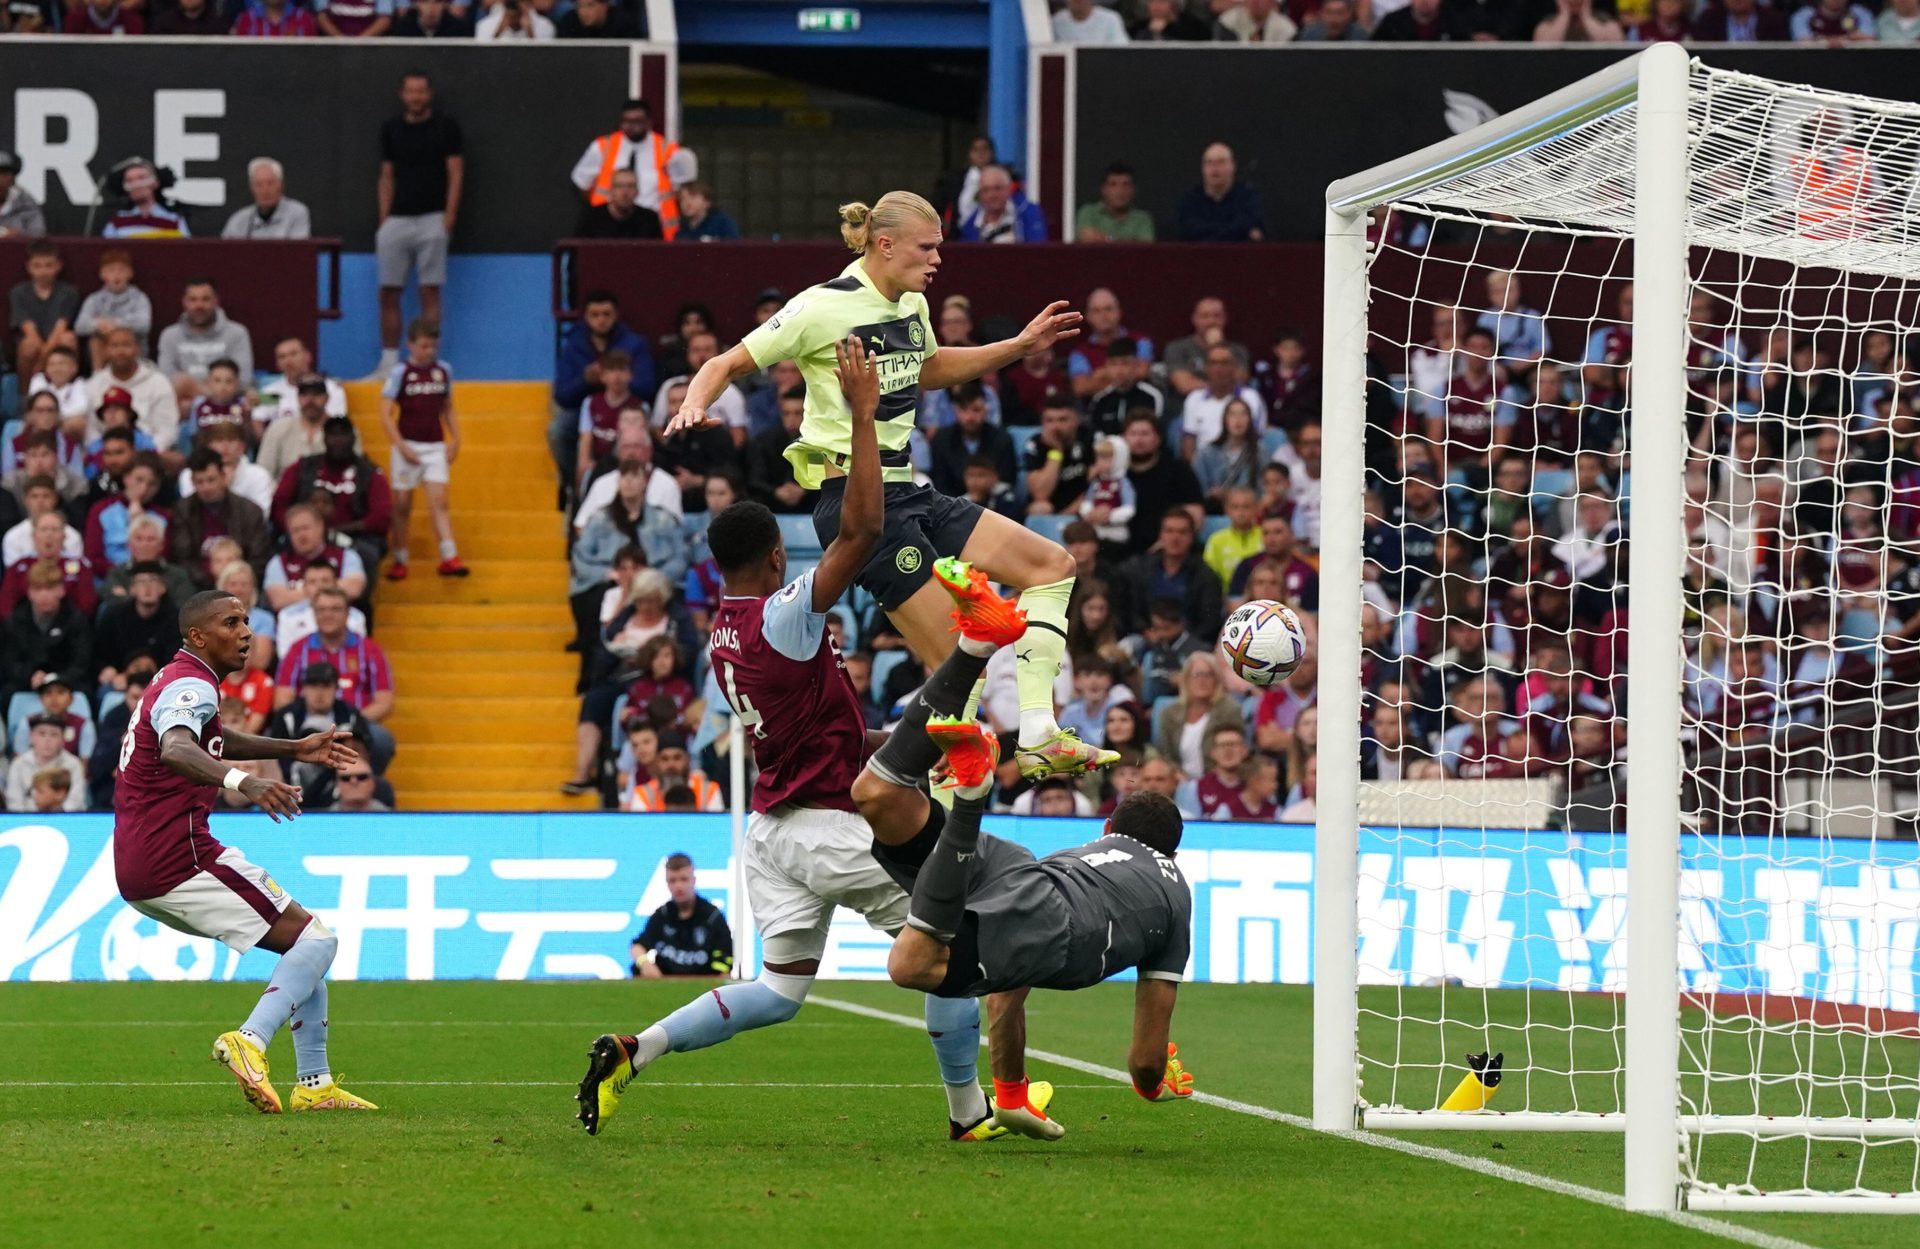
x: 1263, y: 642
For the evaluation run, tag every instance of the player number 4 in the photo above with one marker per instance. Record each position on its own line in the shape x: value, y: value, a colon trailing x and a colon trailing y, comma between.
x: 742, y: 709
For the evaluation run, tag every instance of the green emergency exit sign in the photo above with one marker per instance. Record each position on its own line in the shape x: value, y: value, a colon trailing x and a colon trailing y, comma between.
x: 829, y: 21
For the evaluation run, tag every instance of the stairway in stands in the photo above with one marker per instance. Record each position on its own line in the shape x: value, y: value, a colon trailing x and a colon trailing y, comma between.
x: 484, y: 705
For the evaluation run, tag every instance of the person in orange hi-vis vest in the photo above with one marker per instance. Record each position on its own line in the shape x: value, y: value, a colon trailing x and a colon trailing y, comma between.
x: 662, y: 165
x: 673, y: 767
x: 1832, y: 182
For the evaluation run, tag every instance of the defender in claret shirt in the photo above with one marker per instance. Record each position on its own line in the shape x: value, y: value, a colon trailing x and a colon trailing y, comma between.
x: 807, y: 849
x: 417, y: 409
x: 173, y: 764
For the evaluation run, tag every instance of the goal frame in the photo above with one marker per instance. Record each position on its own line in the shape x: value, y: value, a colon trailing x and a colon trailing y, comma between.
x: 1655, y: 83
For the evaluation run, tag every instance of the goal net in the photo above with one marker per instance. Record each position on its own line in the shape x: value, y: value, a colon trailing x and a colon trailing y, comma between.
x: 1626, y: 383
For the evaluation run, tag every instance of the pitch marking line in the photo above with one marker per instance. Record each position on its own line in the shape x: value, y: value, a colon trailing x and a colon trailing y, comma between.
x: 506, y: 1084
x: 1466, y: 1162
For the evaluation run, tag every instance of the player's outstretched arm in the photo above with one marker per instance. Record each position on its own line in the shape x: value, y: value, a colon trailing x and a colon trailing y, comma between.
x: 329, y: 748
x: 1157, y: 1073
x: 708, y: 385
x: 1007, y: 1034
x: 863, y: 512
x: 950, y: 366
x: 180, y: 751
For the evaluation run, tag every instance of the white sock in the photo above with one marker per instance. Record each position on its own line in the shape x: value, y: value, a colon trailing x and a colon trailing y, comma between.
x: 317, y: 1080
x: 1037, y: 726
x: 966, y: 1104
x: 448, y: 550
x: 401, y: 555
x: 652, y: 1044
x: 255, y: 1037
x: 976, y: 647
x: 389, y: 356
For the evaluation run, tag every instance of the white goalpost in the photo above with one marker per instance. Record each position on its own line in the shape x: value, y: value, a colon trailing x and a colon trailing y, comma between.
x: 1622, y: 385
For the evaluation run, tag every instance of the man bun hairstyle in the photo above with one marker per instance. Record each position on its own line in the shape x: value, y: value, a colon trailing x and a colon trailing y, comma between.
x: 860, y: 223
x: 1150, y: 819
x: 741, y: 535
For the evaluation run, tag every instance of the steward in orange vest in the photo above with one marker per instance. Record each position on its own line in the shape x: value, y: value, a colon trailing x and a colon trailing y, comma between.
x: 659, y: 164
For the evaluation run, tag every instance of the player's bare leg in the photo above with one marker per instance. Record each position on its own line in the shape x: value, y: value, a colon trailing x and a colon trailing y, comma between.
x: 1016, y: 1108
x: 297, y: 992
x: 400, y: 534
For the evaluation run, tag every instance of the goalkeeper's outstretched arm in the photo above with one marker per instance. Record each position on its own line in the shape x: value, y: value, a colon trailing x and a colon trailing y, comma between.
x: 1148, y: 1057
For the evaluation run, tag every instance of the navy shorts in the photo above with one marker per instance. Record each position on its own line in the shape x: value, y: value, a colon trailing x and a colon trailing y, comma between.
x: 921, y: 526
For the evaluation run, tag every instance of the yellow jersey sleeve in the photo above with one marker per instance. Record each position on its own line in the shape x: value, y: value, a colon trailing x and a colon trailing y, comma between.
x: 793, y: 333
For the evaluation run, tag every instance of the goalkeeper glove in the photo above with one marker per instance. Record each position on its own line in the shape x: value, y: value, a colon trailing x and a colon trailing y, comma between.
x: 1177, y: 1082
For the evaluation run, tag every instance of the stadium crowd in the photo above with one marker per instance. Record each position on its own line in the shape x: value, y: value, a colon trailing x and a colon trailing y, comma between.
x: 150, y: 461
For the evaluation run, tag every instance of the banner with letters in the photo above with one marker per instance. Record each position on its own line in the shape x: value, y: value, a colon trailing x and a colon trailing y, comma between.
x: 514, y: 897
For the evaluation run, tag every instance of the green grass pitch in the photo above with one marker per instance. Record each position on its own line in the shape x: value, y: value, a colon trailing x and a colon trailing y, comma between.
x: 116, y: 1129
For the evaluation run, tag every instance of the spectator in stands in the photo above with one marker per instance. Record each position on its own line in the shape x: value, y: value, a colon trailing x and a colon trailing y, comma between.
x: 1899, y: 22
x: 955, y: 326
x: 1095, y: 693
x: 356, y: 789
x: 214, y: 511
x: 273, y: 214
x: 1302, y: 807
x: 41, y: 498
x: 45, y: 634
x: 305, y: 548
x: 673, y: 769
x: 1185, y: 358
x: 513, y: 20
x: 147, y: 544
x: 55, y: 703
x: 354, y: 19
x: 220, y: 402
x: 700, y: 221
x: 41, y: 309
x: 38, y: 771
x: 317, y: 708
x: 634, y: 443
x: 59, y: 377
x: 1221, y: 209
x: 769, y: 474
x: 662, y: 165
x: 1422, y: 21
x: 628, y: 520
x: 1114, y: 217
x: 1239, y: 540
x: 621, y: 216
x: 1160, y: 482
x: 577, y: 370
x: 600, y: 413
x: 351, y: 493
x: 1002, y: 213
x: 49, y: 538
x: 1335, y: 22
x: 20, y: 213
x: 1254, y: 21
x: 117, y: 303
x: 1235, y: 457
x: 422, y: 168
x: 980, y: 481
x: 1172, y: 571
x: 245, y: 479
x: 274, y: 19
x: 1834, y: 23
x: 1186, y: 725
x: 1575, y: 21
x: 1520, y: 336
x: 1108, y: 504
x: 1167, y: 21
x: 42, y: 416
x: 141, y: 388
x: 103, y: 17
x: 671, y: 351
x: 366, y: 679
x: 1289, y: 382
x: 103, y: 765
x: 1279, y: 550
x: 1083, y: 21
x: 958, y: 190
x: 1024, y: 389
x: 280, y: 398
x: 971, y: 434
x: 198, y: 18
x: 1739, y: 21
x: 1057, y: 460
x: 294, y: 622
x: 1203, y: 415
x: 598, y: 19
x: 40, y: 457
x: 1105, y: 329
x: 1668, y: 21
x: 433, y: 19
x: 204, y: 333
x: 134, y: 486
x: 730, y: 407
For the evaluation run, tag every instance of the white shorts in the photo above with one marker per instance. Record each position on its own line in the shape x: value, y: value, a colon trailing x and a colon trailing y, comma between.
x: 432, y: 466
x: 232, y: 901
x: 802, y: 862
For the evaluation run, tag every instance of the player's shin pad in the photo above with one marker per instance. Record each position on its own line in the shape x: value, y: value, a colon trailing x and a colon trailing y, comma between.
x: 940, y: 892
x: 1040, y: 651
x: 906, y: 757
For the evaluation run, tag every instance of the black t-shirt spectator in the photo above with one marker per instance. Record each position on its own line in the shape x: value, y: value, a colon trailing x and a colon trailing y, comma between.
x: 768, y: 469
x: 1108, y: 411
x: 1168, y: 483
x: 950, y: 452
x: 698, y: 945
x: 418, y: 152
x: 1231, y: 219
x: 1074, y: 468
x: 168, y: 19
x: 24, y: 304
x: 700, y: 452
x: 619, y: 25
x: 598, y: 222
x: 123, y: 631
x: 452, y: 26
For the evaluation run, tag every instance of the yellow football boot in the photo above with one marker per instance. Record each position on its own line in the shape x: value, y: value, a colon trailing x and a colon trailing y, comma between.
x: 329, y: 1096
x: 609, y: 1071
x: 249, y: 1066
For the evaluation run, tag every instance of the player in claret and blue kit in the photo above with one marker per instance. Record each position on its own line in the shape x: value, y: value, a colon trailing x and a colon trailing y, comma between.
x: 173, y: 764
x: 807, y: 849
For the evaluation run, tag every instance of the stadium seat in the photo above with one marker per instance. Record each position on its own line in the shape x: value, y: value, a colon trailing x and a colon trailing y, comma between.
x: 1050, y: 527
x: 797, y: 532
x: 1210, y: 526
x: 850, y: 627
x: 884, y: 662
x: 26, y: 703
x: 1020, y: 435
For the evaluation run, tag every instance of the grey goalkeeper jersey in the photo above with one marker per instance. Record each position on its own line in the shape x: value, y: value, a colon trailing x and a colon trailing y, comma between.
x: 1128, y: 906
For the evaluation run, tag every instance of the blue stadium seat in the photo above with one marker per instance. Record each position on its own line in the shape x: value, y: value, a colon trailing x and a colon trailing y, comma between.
x: 1020, y: 434
x: 797, y: 532
x: 1050, y: 527
x: 1210, y: 526
x: 884, y: 662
